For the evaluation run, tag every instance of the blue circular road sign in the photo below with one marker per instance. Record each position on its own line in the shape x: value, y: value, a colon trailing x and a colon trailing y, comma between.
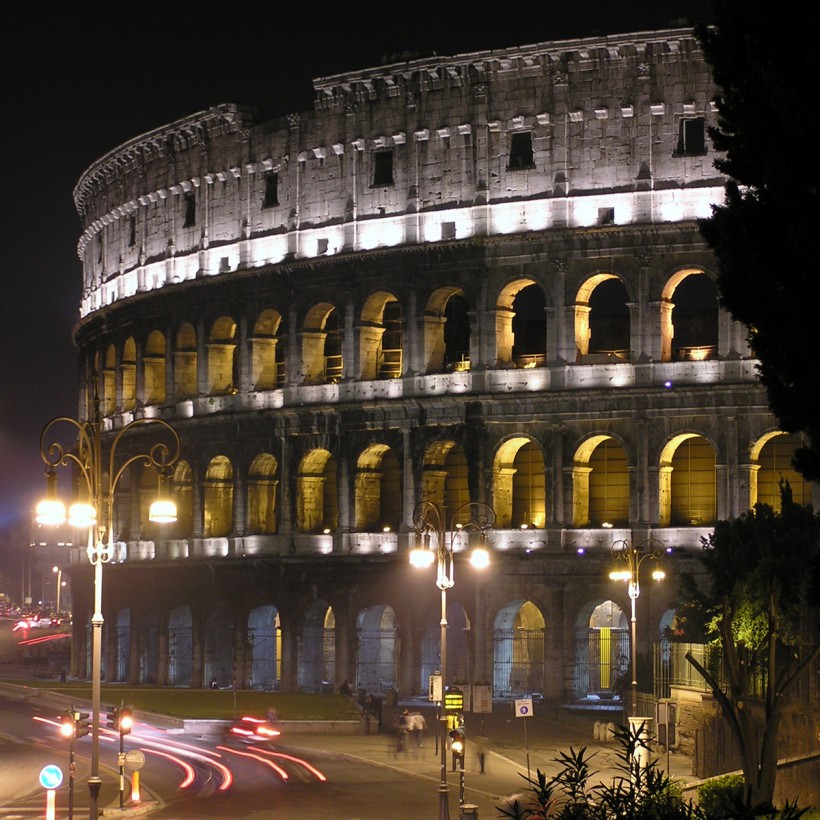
x: 51, y: 776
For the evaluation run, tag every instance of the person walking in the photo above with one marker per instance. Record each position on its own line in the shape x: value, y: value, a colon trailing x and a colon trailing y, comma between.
x: 418, y: 725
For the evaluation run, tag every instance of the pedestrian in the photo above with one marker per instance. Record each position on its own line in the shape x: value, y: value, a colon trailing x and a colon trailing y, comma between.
x: 403, y: 732
x: 346, y: 689
x: 418, y: 725
x: 481, y: 751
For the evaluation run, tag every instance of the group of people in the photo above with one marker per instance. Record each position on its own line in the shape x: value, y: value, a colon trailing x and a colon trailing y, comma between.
x: 412, y: 726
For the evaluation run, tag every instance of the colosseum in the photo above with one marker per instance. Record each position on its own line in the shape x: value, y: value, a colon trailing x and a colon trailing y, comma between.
x: 470, y: 284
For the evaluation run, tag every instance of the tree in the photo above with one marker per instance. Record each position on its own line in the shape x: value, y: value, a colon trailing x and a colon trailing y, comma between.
x: 763, y: 568
x: 763, y: 236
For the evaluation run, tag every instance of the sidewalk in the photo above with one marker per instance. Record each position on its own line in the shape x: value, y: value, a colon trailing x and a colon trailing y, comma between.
x: 512, y: 749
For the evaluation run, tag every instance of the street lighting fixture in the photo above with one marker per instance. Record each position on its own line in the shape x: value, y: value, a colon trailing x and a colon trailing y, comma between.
x: 633, y: 556
x: 428, y: 522
x: 98, y: 473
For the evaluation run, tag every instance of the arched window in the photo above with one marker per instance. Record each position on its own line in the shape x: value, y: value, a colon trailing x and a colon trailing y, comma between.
x: 689, y: 318
x: 154, y: 368
x: 316, y: 496
x: 267, y: 362
x: 183, y: 495
x: 218, y: 497
x: 602, y: 321
x: 378, y: 500
x: 109, y: 382
x: 185, y: 363
x: 446, y: 331
x: 262, y: 486
x: 519, y: 496
x: 222, y: 376
x: 445, y: 480
x: 380, y: 338
x: 774, y: 456
x: 322, y: 361
x: 688, y: 492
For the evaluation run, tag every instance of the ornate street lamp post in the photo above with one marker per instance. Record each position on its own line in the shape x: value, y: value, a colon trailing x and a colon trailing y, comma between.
x: 98, y: 474
x: 429, y: 521
x: 623, y: 552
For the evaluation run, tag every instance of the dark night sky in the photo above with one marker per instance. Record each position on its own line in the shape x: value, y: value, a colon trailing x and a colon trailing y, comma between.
x: 79, y: 79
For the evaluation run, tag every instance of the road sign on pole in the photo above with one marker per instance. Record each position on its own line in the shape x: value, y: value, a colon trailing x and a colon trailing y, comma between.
x: 523, y: 707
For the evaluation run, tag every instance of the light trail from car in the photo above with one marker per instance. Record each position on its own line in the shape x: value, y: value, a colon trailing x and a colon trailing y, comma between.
x: 278, y: 769
x: 312, y: 769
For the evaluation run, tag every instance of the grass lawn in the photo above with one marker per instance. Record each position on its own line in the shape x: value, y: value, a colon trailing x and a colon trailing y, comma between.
x: 210, y: 703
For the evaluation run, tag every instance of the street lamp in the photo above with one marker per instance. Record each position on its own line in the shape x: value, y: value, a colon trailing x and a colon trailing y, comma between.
x: 633, y: 556
x: 59, y: 585
x: 93, y: 510
x: 429, y: 520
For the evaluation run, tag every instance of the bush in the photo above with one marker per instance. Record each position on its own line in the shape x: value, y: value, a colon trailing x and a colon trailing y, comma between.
x: 719, y: 796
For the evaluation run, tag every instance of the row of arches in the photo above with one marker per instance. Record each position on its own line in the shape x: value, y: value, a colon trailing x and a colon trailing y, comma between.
x: 218, y: 501
x: 233, y: 354
x: 177, y: 652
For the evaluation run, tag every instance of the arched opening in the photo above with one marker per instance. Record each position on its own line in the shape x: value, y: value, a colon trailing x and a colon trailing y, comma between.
x: 182, y: 489
x: 180, y: 646
x: 153, y: 362
x: 265, y: 645
x: 267, y: 362
x: 317, y: 649
x: 109, y: 382
x: 601, y: 650
x: 519, y: 494
x: 262, y: 486
x: 447, y: 331
x: 218, y: 498
x: 518, y: 650
x: 376, y: 655
x: 377, y: 494
x: 322, y: 361
x: 185, y: 386
x: 316, y: 493
x: 219, y: 648
x: 521, y: 329
x: 688, y: 482
x: 445, y: 479
x: 689, y: 317
x: 774, y: 455
x: 600, y: 484
x: 222, y: 375
x: 123, y: 639
x: 128, y: 374
x: 380, y: 338
x: 602, y: 321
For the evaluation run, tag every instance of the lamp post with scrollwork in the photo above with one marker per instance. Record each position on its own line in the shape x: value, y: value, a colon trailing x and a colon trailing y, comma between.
x: 633, y: 556
x: 98, y: 470
x: 429, y: 521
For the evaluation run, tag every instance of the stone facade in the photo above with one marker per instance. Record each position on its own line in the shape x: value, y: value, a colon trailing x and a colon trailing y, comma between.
x: 467, y: 279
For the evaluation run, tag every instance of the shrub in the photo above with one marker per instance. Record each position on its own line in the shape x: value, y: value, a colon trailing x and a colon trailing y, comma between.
x: 719, y: 796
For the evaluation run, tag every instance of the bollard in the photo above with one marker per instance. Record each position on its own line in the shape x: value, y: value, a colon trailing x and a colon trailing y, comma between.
x: 468, y: 811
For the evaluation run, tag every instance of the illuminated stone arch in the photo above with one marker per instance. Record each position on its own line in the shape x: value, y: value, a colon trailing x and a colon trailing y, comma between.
x: 128, y: 374
x: 265, y: 647
x: 185, y: 362
x: 316, y: 493
x: 219, y: 648
x: 380, y: 337
x: 262, y: 485
x: 600, y: 483
x: 109, y: 381
x: 182, y: 490
x: 688, y: 482
x: 518, y: 650
x: 445, y: 478
x: 153, y: 366
x: 689, y: 317
x: 519, y: 490
x: 322, y: 361
x: 267, y: 351
x: 772, y: 456
x: 218, y: 498
x: 520, y: 324
x: 601, y: 649
x: 378, y: 490
x: 222, y: 375
x: 317, y: 648
x: 446, y: 331
x: 602, y: 320
x: 376, y: 656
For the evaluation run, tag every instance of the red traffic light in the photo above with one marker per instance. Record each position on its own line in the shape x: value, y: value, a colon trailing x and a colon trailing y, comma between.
x: 126, y: 721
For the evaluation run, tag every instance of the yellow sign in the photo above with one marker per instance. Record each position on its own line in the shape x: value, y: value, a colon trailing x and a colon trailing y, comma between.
x: 453, y: 700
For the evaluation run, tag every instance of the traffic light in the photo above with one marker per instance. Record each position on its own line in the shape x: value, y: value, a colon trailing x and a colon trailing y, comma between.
x: 457, y: 744
x: 67, y: 724
x: 82, y: 724
x: 126, y: 722
x: 114, y: 718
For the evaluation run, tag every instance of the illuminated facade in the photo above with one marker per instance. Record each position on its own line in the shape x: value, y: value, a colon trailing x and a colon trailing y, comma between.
x: 473, y: 278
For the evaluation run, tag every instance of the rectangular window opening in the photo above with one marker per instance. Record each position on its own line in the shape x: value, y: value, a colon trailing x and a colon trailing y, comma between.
x: 606, y: 216
x: 521, y: 155
x: 382, y: 168
x: 190, y: 210
x: 271, y: 191
x: 132, y: 232
x: 691, y: 137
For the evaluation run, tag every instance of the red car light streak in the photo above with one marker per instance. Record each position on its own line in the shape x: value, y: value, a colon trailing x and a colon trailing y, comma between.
x: 278, y: 769
x: 312, y: 769
x: 190, y: 773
